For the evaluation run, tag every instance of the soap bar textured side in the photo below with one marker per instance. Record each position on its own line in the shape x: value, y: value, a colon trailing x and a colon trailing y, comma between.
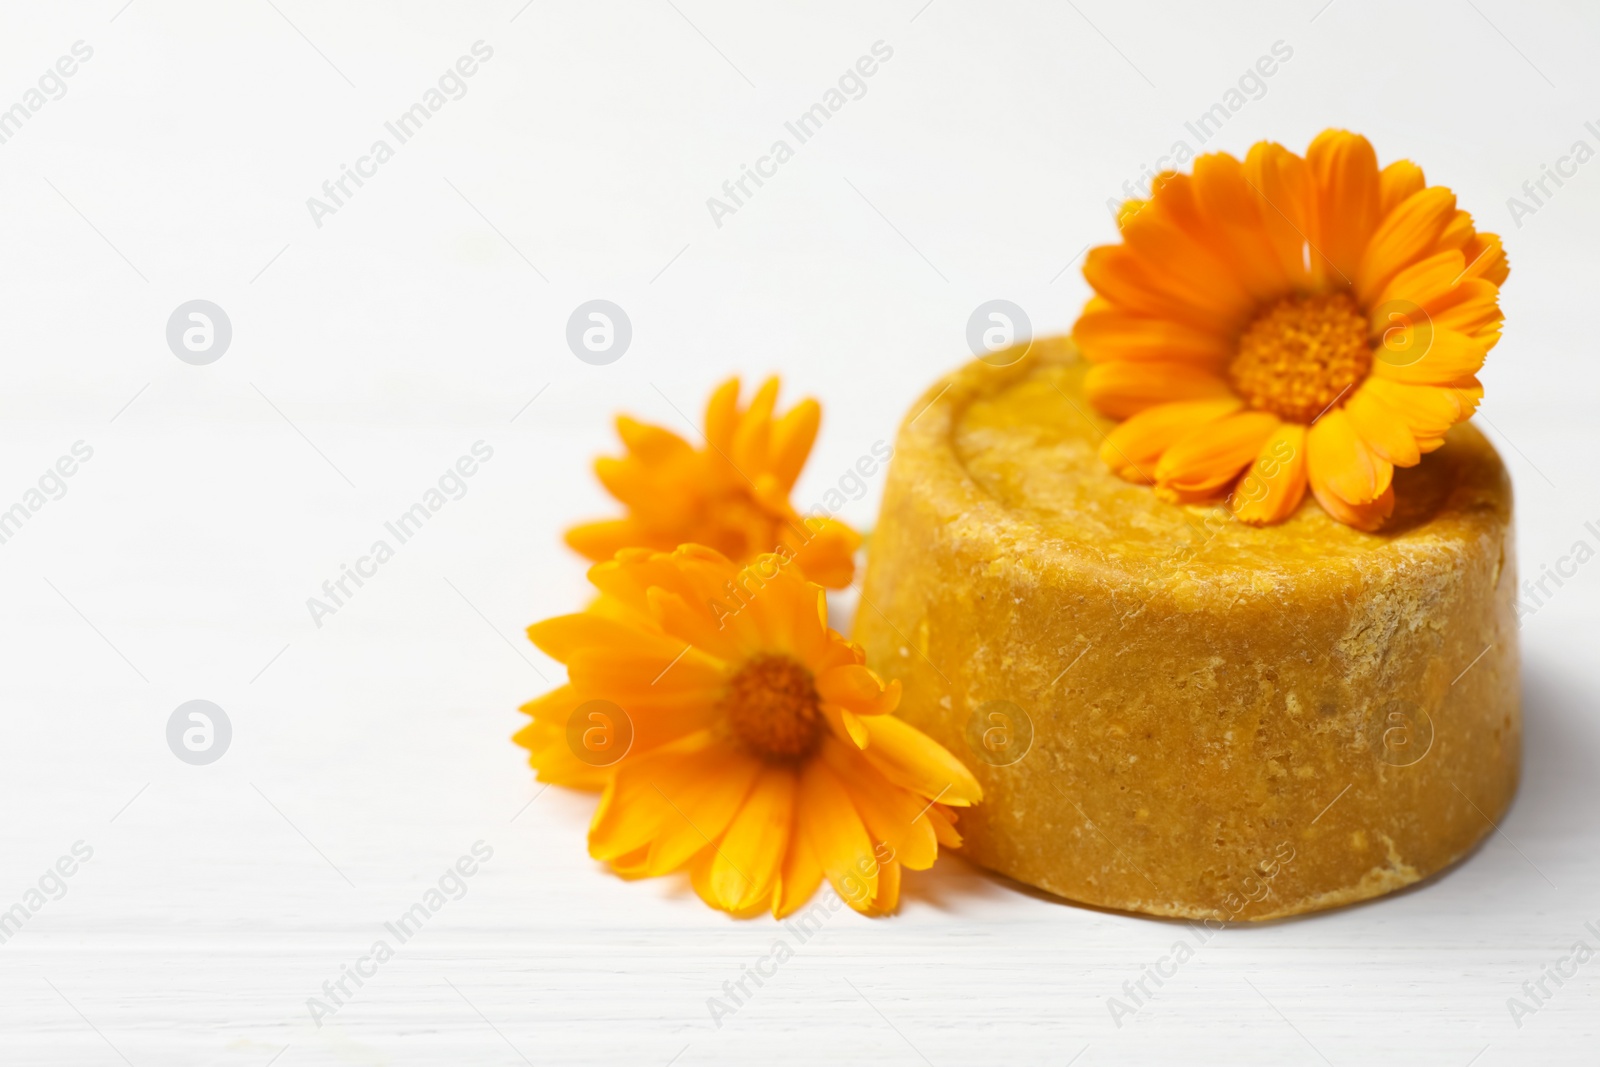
x: 1171, y: 712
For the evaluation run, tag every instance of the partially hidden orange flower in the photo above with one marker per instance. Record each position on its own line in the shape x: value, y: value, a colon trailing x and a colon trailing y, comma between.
x: 1289, y: 320
x: 732, y: 494
x: 744, y: 740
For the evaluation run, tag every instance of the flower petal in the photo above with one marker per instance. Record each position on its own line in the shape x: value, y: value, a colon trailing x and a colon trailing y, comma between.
x: 1110, y: 333
x: 1188, y: 268
x: 1422, y: 283
x: 1447, y: 356
x: 800, y: 876
x: 1404, y: 236
x: 1396, y: 182
x: 601, y: 540
x: 1368, y: 517
x: 833, y: 829
x: 1348, y: 199
x: 745, y: 865
x: 1339, y: 461
x: 1123, y: 389
x: 1486, y: 258
x: 632, y: 806
x: 910, y: 758
x: 562, y: 637
x: 652, y: 444
x: 1427, y: 410
x: 792, y: 438
x: 1117, y: 273
x: 1232, y: 211
x: 856, y: 687
x: 1213, y: 455
x: 697, y: 812
x: 1383, y: 430
x: 1133, y: 448
x: 892, y: 816
x: 1273, y: 487
x: 1287, y: 194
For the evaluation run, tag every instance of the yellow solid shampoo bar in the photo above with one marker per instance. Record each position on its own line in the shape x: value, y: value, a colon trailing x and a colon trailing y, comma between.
x: 1175, y: 713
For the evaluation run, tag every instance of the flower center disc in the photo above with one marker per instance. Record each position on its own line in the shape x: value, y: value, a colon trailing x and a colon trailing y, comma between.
x: 1301, y: 355
x: 773, y: 710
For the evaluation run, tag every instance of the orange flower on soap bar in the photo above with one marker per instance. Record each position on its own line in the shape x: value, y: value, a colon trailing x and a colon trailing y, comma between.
x: 1286, y: 320
x: 732, y: 494
x: 737, y: 737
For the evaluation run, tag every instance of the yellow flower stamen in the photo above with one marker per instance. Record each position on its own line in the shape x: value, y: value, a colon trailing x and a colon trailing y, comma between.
x: 773, y: 710
x: 1301, y: 355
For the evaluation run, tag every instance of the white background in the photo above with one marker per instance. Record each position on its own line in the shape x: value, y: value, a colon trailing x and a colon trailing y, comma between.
x: 369, y: 353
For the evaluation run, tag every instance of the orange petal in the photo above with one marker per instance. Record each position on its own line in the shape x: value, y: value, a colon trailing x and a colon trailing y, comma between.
x: 722, y: 414
x: 847, y: 725
x: 1447, y: 356
x: 1368, y: 517
x: 633, y: 805
x: 555, y: 762
x: 1109, y: 333
x: 564, y: 636
x: 652, y: 444
x: 887, y: 900
x: 1422, y: 283
x: 859, y: 689
x: 1212, y: 455
x: 1284, y: 184
x: 1117, y: 273
x: 633, y: 672
x: 1456, y: 233
x: 944, y: 825
x: 1486, y: 258
x: 891, y: 815
x: 1472, y: 307
x: 1273, y: 487
x: 744, y: 867
x: 800, y: 876
x: 602, y: 540
x: 825, y: 550
x: 792, y: 438
x: 1135, y: 445
x: 1404, y: 236
x: 1348, y: 199
x: 1383, y: 430
x: 1187, y: 267
x: 1124, y: 389
x: 1232, y: 211
x: 910, y: 758
x: 1396, y: 182
x: 698, y: 812
x: 1339, y: 461
x: 1428, y: 410
x: 837, y: 837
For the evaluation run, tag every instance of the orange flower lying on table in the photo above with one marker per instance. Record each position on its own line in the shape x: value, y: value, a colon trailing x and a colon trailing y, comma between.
x: 733, y: 494
x: 761, y: 754
x: 1308, y: 319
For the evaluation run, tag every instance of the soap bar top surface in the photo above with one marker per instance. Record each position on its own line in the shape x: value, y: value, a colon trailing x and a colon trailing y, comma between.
x: 1029, y: 443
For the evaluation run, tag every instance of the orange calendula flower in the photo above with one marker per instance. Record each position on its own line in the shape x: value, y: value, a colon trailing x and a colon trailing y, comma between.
x: 1285, y: 321
x: 733, y: 494
x: 737, y: 737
